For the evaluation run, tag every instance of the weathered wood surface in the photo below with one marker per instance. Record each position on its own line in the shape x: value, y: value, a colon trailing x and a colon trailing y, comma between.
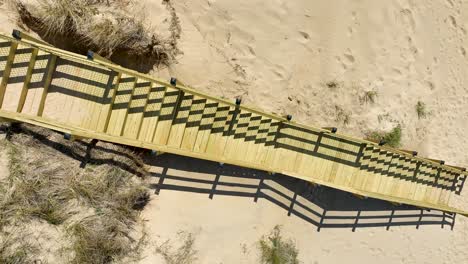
x: 67, y: 92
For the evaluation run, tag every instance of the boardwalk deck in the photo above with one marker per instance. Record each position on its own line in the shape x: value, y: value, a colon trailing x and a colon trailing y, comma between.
x: 67, y: 92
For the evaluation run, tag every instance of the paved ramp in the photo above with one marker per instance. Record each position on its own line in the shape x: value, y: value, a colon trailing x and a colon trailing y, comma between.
x: 93, y: 98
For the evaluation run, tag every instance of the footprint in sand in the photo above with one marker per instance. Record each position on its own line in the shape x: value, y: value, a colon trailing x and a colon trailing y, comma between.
x: 347, y: 60
x: 408, y: 19
x: 463, y: 51
x: 305, y: 37
x: 453, y: 21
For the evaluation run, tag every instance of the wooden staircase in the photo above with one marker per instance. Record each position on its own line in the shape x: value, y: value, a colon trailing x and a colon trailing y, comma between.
x: 90, y: 97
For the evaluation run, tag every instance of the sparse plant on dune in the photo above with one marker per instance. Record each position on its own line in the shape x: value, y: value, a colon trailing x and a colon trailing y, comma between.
x: 15, y: 249
x: 369, y: 97
x: 421, y: 110
x: 391, y: 138
x: 102, y: 239
x: 183, y: 254
x: 274, y: 249
x: 102, y: 26
x: 99, y: 205
x: 332, y: 84
x: 342, y: 116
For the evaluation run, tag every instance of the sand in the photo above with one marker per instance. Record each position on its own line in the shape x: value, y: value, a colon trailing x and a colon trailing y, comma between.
x: 279, y: 55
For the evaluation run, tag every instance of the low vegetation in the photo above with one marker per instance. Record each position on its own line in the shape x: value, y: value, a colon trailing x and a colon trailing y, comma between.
x: 184, y: 253
x: 104, y: 26
x: 391, y: 138
x: 342, y: 116
x: 332, y: 84
x: 369, y: 97
x: 15, y: 249
x: 274, y: 249
x: 421, y: 110
x: 98, y: 205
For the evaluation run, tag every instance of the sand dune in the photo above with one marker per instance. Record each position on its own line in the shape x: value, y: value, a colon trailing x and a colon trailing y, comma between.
x: 279, y: 56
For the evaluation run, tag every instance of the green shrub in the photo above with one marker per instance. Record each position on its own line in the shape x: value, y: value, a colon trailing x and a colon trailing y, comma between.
x: 275, y: 249
x: 391, y: 138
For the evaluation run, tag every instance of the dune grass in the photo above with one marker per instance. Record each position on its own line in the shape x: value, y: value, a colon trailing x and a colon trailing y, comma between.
x: 333, y: 84
x: 342, y: 116
x: 106, y: 27
x: 98, y: 205
x: 184, y: 253
x: 421, y: 110
x: 274, y: 249
x: 14, y: 248
x: 369, y: 97
x: 391, y: 138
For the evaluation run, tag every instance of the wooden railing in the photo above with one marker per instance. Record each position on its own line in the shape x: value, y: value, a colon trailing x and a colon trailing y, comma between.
x: 90, y: 97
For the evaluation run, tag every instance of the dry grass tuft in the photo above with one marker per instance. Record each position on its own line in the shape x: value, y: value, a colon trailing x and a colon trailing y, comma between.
x: 184, y: 254
x: 369, y: 97
x: 102, y: 26
x: 391, y: 138
x: 14, y: 249
x: 332, y: 84
x: 275, y: 249
x: 342, y: 116
x: 46, y: 183
x: 421, y: 110
x: 102, y: 239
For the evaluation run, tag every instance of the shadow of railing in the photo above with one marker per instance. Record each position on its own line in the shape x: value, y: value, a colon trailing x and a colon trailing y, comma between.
x: 320, y: 206
x: 182, y: 108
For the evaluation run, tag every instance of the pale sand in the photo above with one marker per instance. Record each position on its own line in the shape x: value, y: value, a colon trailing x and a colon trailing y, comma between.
x: 278, y: 55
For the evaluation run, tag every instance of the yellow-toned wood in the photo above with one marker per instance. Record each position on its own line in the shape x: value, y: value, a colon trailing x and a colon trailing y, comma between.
x: 168, y: 109
x: 47, y: 82
x: 6, y: 71
x: 108, y: 109
x: 216, y: 141
x: 191, y: 128
x: 24, y: 90
x: 125, y: 117
x: 16, y: 76
x: 121, y: 103
x: 207, y: 121
x: 140, y: 122
x: 180, y: 120
x: 136, y: 109
x: 152, y: 112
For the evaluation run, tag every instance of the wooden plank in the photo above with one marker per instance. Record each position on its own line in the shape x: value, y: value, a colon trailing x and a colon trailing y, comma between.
x: 24, y: 90
x: 48, y: 80
x: 167, y: 112
x: 17, y: 75
x: 121, y: 104
x: 323, y: 165
x: 33, y: 97
x: 206, y: 124
x: 194, y: 122
x: 114, y: 89
x: 101, y: 136
x: 6, y: 71
x: 152, y: 113
x: 177, y: 129
x: 140, y: 123
x: 235, y: 134
x: 221, y: 125
x: 137, y: 108
x: 128, y: 107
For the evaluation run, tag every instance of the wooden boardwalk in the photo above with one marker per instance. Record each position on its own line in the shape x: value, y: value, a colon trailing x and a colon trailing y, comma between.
x: 93, y: 98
